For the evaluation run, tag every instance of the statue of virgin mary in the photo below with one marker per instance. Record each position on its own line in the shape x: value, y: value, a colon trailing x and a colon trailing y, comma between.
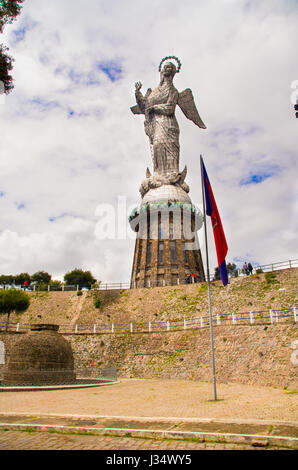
x: 161, y: 125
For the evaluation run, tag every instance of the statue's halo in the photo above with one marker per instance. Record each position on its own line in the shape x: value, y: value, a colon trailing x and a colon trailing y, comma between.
x: 170, y: 57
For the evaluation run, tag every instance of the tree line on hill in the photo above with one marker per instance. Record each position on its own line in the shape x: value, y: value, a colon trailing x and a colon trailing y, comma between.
x: 43, y: 279
x: 15, y: 300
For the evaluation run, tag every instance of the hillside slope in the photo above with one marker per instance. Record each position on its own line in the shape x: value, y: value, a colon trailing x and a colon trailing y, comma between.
x: 256, y: 292
x: 259, y: 354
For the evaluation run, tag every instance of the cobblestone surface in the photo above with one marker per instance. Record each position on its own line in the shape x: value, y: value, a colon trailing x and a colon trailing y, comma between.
x: 22, y: 440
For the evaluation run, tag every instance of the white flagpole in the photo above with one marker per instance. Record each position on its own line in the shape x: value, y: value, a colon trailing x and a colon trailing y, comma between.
x: 208, y: 280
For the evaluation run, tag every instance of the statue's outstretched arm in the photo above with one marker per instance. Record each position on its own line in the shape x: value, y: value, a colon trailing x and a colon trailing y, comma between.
x: 188, y: 107
x: 139, y: 97
x: 139, y: 108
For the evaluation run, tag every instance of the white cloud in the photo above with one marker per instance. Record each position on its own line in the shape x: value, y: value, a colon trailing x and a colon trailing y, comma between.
x: 67, y: 146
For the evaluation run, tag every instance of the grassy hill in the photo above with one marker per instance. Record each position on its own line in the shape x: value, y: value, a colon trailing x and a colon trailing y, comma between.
x: 260, y: 291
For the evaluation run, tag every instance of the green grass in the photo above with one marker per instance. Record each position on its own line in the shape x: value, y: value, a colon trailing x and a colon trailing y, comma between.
x: 271, y: 278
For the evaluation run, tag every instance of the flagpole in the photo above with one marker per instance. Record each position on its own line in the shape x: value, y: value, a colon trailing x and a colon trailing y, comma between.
x: 208, y: 280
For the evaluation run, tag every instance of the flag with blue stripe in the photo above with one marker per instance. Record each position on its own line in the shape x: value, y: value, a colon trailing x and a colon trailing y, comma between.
x: 218, y: 232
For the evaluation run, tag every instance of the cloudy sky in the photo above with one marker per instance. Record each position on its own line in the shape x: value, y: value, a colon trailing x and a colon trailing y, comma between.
x: 69, y: 142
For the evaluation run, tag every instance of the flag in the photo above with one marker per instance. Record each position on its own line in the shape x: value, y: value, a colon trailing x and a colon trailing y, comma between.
x: 218, y: 232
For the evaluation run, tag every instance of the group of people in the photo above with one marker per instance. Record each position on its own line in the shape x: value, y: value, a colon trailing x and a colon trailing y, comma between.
x: 248, y: 268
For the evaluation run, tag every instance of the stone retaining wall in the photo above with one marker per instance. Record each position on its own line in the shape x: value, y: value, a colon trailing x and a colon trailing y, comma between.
x: 257, y: 354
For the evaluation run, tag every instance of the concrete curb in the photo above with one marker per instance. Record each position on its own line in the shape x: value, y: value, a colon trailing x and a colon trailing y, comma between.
x: 42, y: 388
x: 152, y: 418
x: 248, y: 439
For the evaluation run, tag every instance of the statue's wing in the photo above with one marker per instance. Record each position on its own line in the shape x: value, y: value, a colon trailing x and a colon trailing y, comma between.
x: 188, y: 107
x: 136, y: 109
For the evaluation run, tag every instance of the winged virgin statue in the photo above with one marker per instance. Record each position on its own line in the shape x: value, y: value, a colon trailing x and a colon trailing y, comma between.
x: 161, y: 126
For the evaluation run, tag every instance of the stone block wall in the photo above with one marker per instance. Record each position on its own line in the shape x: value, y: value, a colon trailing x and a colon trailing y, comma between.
x: 248, y: 354
x: 257, y: 354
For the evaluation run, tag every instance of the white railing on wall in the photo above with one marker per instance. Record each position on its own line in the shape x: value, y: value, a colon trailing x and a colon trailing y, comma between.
x: 286, y: 315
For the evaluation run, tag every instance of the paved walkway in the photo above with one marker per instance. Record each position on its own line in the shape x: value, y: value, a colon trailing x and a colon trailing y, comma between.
x: 159, y: 398
x: 154, y: 413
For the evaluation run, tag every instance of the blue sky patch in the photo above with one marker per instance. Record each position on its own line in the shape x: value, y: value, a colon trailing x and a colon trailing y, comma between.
x: 76, y: 77
x: 43, y: 104
x: 240, y: 260
x: 61, y: 216
x: 259, y: 175
x: 111, y: 69
x: 256, y: 178
x: 237, y: 132
x: 18, y: 35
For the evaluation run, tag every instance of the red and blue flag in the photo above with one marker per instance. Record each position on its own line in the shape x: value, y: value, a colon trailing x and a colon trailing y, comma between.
x: 218, y: 232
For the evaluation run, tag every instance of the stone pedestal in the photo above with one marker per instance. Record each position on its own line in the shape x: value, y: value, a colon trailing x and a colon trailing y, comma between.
x: 167, y: 250
x: 40, y: 357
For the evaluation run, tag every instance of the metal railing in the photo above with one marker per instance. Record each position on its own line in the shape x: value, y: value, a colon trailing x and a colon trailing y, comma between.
x: 154, y: 283
x: 235, y: 318
x: 163, y: 283
x: 292, y: 263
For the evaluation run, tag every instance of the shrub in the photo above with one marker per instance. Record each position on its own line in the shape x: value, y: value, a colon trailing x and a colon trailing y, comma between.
x: 42, y: 287
x: 203, y: 287
x: 79, y: 292
x: 271, y: 278
x: 13, y: 300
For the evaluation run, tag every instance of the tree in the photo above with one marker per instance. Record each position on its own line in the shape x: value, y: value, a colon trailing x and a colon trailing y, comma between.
x: 5, y: 67
x: 216, y: 274
x: 79, y: 277
x: 9, y: 10
x: 6, y: 279
x: 56, y: 285
x: 21, y: 278
x: 41, y: 277
x: 232, y: 271
x: 12, y: 300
